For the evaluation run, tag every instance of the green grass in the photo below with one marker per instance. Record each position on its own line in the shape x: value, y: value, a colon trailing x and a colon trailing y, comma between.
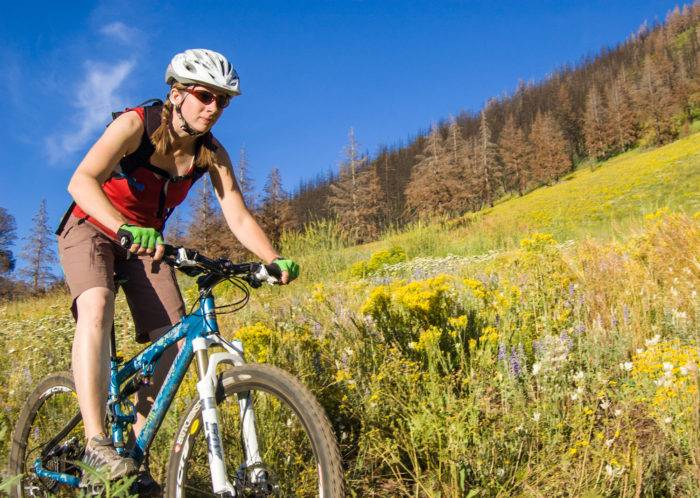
x: 573, y: 280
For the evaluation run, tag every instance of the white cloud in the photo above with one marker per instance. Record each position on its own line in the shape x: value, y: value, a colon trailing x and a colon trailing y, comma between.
x: 96, y: 99
x: 120, y: 31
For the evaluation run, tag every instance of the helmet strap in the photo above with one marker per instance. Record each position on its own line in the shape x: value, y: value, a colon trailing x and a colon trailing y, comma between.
x: 183, y: 124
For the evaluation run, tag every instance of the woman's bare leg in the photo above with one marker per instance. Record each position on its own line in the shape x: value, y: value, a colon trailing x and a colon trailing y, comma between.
x: 91, y: 356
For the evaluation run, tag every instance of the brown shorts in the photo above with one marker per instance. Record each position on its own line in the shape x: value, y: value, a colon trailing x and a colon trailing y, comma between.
x: 91, y: 259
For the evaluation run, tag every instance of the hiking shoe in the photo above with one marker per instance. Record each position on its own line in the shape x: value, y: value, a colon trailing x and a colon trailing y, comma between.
x: 145, y: 485
x: 101, y: 455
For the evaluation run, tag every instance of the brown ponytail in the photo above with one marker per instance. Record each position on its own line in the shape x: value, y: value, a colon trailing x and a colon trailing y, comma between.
x: 162, y: 137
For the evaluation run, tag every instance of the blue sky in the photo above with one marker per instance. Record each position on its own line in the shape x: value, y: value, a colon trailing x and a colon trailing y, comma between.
x: 309, y: 71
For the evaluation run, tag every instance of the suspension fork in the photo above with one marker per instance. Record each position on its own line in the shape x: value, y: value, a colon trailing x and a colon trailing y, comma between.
x: 206, y: 387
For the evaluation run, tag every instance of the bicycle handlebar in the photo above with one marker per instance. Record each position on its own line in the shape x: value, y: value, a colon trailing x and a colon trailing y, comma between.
x: 192, y: 263
x: 185, y: 259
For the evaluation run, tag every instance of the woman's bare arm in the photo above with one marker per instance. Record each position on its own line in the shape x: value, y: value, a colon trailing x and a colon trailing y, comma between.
x: 121, y: 137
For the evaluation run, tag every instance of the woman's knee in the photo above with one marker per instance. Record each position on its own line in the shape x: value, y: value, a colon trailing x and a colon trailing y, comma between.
x: 95, y: 305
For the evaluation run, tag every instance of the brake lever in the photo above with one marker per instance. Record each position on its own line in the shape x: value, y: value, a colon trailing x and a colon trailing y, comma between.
x: 263, y: 275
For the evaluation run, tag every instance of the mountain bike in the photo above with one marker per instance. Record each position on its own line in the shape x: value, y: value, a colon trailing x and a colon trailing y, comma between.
x: 252, y: 431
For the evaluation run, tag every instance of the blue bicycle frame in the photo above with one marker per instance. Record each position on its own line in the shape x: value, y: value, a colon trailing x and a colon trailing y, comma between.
x: 201, y: 324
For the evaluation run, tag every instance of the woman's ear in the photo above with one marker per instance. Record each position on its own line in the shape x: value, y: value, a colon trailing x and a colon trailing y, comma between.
x: 174, y: 96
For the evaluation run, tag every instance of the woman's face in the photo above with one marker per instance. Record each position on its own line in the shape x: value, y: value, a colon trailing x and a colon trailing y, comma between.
x: 201, y: 106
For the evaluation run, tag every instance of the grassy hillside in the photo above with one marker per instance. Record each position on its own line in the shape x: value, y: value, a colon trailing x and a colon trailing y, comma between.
x: 603, y: 200
x: 546, y: 346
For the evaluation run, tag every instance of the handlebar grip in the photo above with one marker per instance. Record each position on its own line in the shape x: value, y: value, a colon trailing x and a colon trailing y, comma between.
x: 274, y: 271
x: 170, y: 250
x: 125, y: 239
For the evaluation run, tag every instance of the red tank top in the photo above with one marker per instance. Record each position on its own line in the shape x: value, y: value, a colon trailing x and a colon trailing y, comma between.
x: 145, y: 195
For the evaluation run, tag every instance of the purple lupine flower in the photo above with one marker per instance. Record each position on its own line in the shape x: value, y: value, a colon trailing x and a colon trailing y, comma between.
x: 521, y: 356
x: 344, y: 359
x: 501, y: 352
x: 538, y: 348
x: 566, y: 340
x: 515, y: 366
x: 493, y: 280
x: 572, y: 289
x: 614, y: 321
x: 580, y: 329
x: 626, y: 314
x: 316, y: 361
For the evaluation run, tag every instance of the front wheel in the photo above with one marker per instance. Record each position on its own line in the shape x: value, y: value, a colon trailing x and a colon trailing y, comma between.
x: 297, y: 446
x: 50, y: 410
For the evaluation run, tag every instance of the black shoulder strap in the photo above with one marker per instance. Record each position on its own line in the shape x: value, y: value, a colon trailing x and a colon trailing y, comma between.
x: 142, y: 155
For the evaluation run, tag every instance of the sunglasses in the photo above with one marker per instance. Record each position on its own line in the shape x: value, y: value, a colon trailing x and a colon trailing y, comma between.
x: 207, y: 98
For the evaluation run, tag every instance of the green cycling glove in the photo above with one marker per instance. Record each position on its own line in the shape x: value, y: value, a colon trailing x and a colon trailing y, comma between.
x: 129, y: 235
x: 287, y: 265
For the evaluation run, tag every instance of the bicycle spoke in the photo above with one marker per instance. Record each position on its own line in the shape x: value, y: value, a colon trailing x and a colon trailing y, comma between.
x: 199, y: 491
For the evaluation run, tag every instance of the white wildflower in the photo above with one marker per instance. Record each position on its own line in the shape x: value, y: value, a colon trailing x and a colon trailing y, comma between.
x: 640, y: 350
x: 653, y: 341
x: 605, y: 404
x: 579, y: 376
x: 536, y: 367
x: 684, y: 370
x: 613, y: 471
x: 617, y: 412
x: 668, y: 420
x: 668, y: 367
x: 663, y: 381
x: 609, y: 442
x: 626, y: 366
x: 574, y: 396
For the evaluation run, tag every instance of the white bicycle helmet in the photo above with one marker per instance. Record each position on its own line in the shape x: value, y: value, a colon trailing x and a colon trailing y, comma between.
x: 205, y: 67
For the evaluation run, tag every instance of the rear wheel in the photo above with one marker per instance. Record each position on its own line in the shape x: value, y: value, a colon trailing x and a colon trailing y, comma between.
x: 47, y: 411
x: 298, y: 449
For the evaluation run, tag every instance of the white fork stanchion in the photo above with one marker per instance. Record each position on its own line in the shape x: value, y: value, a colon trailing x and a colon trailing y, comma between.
x: 206, y: 388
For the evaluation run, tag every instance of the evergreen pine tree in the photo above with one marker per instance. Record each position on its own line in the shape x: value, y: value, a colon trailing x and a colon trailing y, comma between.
x: 550, y: 156
x: 8, y: 230
x: 516, y: 155
x: 456, y: 180
x: 622, y: 117
x: 426, y: 195
x: 207, y: 231
x: 596, y: 129
x: 245, y: 182
x: 655, y: 99
x: 356, y: 198
x: 488, y: 163
x: 38, y: 251
x: 274, y: 214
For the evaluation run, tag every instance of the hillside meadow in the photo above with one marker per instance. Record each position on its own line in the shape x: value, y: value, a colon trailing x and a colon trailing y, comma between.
x: 545, y: 346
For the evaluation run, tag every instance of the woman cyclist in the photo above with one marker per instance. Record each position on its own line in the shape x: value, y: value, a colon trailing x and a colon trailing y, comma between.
x: 126, y: 186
